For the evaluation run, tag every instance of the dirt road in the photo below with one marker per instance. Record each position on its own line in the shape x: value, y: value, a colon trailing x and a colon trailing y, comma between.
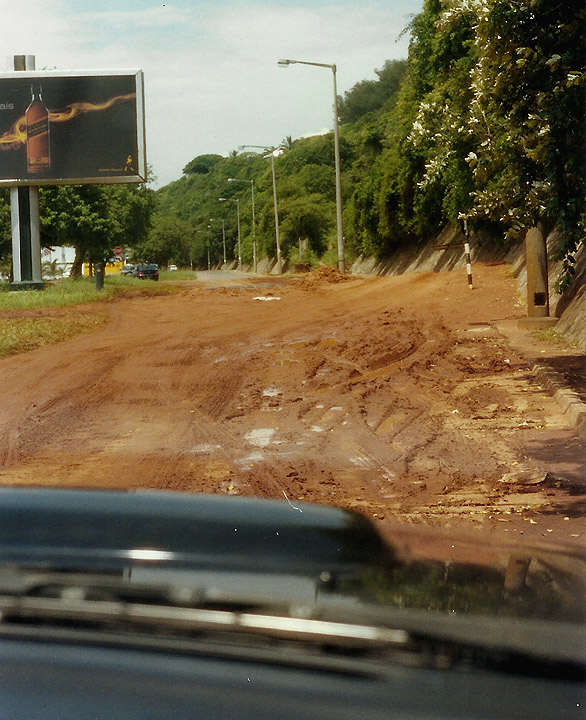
x: 394, y: 396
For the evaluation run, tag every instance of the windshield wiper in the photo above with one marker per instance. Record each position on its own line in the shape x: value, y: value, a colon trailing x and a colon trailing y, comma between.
x: 89, y: 598
x: 105, y: 604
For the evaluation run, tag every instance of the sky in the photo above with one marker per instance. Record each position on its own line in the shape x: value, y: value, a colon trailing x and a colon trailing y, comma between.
x: 212, y: 82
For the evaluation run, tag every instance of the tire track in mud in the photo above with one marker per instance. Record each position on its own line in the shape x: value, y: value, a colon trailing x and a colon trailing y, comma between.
x: 280, y: 471
x: 346, y: 396
x: 56, y: 410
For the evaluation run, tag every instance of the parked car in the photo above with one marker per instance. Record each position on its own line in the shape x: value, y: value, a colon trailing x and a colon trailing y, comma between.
x: 127, y: 269
x: 143, y: 272
x: 143, y: 604
x: 173, y: 268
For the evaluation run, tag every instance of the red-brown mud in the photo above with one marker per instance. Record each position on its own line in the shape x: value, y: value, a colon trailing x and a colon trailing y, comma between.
x: 393, y: 396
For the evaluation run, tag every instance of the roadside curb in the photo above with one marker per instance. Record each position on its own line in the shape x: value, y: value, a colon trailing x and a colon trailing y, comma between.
x: 554, y: 383
x: 572, y: 407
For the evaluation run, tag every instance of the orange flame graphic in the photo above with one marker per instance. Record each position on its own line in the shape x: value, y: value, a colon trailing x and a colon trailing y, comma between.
x: 16, y: 136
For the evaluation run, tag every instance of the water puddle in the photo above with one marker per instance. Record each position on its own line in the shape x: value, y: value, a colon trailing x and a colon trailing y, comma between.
x: 251, y: 459
x: 271, y: 392
x: 205, y: 448
x: 261, y: 437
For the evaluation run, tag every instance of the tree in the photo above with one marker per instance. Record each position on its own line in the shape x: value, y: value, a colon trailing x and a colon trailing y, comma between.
x: 439, y: 139
x: 370, y: 95
x: 304, y: 220
x: 94, y: 218
x: 5, y: 226
x: 527, y: 115
x: 201, y: 165
x: 169, y: 240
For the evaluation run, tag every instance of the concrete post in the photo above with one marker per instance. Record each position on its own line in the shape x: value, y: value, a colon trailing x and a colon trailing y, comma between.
x: 537, y: 280
x: 516, y: 573
x: 537, y: 284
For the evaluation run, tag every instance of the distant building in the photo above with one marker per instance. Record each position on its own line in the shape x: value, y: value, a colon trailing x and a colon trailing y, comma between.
x: 60, y: 260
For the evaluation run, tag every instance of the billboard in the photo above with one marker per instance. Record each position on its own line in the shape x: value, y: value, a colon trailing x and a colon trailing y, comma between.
x: 71, y: 128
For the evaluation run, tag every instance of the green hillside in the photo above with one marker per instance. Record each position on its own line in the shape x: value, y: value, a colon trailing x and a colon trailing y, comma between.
x: 484, y: 120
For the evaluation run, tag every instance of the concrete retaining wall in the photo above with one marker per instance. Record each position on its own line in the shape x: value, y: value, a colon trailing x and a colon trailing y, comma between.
x: 569, y: 307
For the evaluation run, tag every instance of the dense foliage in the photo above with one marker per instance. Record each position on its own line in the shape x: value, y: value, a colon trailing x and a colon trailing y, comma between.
x: 369, y: 95
x: 524, y: 126
x: 93, y: 219
x: 485, y: 120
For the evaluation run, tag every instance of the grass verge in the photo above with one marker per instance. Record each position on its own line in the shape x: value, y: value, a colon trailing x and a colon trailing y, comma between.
x: 24, y: 334
x: 65, y: 292
x: 553, y: 337
x: 21, y: 333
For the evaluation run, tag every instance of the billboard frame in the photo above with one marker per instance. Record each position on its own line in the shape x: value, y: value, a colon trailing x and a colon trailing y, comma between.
x: 141, y: 173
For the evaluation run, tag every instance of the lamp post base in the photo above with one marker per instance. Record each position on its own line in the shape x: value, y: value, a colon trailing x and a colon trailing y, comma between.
x: 27, y: 285
x: 537, y: 323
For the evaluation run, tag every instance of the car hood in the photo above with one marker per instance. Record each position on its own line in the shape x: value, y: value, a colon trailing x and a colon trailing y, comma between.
x: 248, y: 550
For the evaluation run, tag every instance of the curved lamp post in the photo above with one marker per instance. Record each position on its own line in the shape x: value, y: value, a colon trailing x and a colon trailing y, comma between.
x: 284, y: 64
x: 271, y: 151
x: 254, y: 258
x: 223, y: 235
x: 237, y: 201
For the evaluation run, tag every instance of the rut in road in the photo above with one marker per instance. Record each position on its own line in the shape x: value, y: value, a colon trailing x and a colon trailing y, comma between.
x: 390, y: 395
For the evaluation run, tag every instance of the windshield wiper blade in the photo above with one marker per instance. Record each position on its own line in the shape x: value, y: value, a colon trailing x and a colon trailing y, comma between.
x: 198, y: 620
x: 110, y: 603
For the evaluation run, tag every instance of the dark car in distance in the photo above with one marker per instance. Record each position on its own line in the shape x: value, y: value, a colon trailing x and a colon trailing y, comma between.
x: 150, y: 271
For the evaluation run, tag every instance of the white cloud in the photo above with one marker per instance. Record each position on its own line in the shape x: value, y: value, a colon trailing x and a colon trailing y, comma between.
x: 211, y: 76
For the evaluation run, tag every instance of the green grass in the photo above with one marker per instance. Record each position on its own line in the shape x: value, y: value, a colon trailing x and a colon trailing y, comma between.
x: 24, y: 334
x: 553, y: 337
x: 60, y: 293
x: 20, y: 333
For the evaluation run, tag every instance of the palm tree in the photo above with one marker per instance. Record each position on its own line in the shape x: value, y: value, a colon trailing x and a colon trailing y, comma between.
x: 287, y: 143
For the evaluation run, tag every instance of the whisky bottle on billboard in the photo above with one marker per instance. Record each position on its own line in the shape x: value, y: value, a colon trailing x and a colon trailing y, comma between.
x: 37, y: 134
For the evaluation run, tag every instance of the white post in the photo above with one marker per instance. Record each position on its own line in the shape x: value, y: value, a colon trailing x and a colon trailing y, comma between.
x: 467, y: 251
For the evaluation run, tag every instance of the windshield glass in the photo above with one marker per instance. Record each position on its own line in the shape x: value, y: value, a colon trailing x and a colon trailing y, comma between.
x: 292, y: 307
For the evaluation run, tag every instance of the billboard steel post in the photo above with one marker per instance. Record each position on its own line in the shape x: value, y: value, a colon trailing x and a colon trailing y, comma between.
x: 24, y: 210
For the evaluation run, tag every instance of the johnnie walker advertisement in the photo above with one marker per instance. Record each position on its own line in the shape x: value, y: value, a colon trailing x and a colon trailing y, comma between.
x: 71, y: 128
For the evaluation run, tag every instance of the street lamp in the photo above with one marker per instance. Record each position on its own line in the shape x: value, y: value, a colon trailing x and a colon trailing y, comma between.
x: 271, y: 151
x: 237, y: 201
x: 284, y: 64
x: 207, y: 232
x: 254, y: 260
x: 208, y: 244
x: 223, y: 236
